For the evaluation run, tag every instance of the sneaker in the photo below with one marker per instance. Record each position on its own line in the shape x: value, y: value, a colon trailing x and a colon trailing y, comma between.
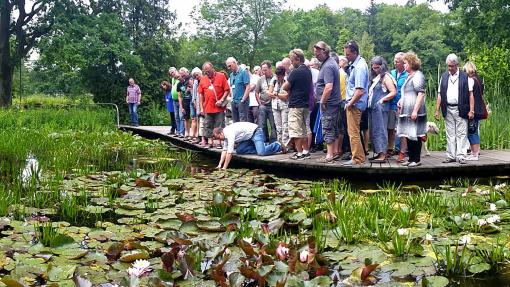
x: 351, y: 163
x: 405, y: 163
x: 413, y: 164
x: 306, y: 155
x: 347, y: 156
x: 461, y: 160
x: 313, y: 149
x: 472, y: 157
x: 337, y: 156
x: 297, y: 157
x: 448, y: 160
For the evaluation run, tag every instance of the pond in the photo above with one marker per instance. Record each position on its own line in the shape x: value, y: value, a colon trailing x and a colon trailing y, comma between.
x: 241, y: 227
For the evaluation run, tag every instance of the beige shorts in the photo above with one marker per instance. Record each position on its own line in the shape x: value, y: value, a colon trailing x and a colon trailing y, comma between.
x: 299, y: 122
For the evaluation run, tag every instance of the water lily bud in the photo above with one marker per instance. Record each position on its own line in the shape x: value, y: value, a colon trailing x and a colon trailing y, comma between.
x: 282, y: 252
x: 429, y: 237
x: 303, y: 256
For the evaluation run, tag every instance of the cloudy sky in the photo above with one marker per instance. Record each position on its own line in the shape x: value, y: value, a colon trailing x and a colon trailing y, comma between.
x: 184, y: 8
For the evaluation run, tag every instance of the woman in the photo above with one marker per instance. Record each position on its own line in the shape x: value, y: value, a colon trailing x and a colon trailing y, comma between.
x: 380, y: 94
x: 412, y: 118
x: 196, y: 130
x: 280, y: 105
x: 133, y: 98
x: 480, y: 111
x: 167, y: 89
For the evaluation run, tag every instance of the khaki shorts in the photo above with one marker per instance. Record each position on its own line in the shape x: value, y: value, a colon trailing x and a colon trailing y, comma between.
x: 392, y: 119
x: 299, y: 122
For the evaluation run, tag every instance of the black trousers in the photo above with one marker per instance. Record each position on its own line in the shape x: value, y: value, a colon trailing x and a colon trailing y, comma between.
x: 414, y: 150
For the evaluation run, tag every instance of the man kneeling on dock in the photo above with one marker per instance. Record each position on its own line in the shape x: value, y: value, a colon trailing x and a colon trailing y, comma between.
x: 250, y: 139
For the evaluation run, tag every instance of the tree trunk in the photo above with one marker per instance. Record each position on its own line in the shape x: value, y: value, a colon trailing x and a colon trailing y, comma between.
x: 6, y: 67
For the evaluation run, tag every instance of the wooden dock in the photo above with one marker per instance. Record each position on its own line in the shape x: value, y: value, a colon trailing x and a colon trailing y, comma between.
x: 491, y: 163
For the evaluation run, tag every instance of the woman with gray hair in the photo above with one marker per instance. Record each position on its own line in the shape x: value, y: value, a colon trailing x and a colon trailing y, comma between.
x: 380, y: 93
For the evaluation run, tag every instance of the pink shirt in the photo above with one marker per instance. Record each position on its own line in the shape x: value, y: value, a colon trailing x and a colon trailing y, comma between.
x: 133, y: 94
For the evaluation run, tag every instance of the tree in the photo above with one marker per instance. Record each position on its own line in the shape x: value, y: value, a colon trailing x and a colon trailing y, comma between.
x: 24, y: 31
x: 236, y: 26
x: 366, y: 47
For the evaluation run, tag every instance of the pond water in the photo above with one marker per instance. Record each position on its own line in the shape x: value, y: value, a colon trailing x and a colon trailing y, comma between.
x: 246, y: 226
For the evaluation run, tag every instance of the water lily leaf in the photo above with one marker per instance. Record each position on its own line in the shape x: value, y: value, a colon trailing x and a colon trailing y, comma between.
x: 94, y: 209
x: 60, y: 273
x: 479, y: 268
x: 217, y: 274
x: 81, y: 282
x: 10, y: 282
x: 189, y: 228
x: 144, y: 183
x: 265, y: 270
x: 131, y: 256
x: 211, y: 225
x: 404, y: 270
x: 247, y: 248
x: 74, y: 253
x: 101, y: 235
x: 434, y: 281
x: 335, y: 256
x: 322, y: 281
x: 60, y: 240
x: 185, y: 217
x: 367, y: 270
x: 251, y: 274
x: 236, y: 279
x: 114, y: 251
x: 127, y: 212
x: 168, y: 259
x: 170, y: 224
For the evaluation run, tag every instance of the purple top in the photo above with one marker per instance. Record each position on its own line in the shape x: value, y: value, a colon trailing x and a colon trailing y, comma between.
x: 133, y: 94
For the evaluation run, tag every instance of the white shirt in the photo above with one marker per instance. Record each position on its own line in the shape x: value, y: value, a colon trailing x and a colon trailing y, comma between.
x: 237, y: 132
x: 452, y: 93
x: 253, y: 82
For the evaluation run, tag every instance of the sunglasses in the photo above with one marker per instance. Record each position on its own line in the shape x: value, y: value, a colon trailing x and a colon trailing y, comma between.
x: 319, y: 48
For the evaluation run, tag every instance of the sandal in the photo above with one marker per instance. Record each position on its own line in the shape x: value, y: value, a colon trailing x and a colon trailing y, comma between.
x: 326, y: 160
x: 337, y: 156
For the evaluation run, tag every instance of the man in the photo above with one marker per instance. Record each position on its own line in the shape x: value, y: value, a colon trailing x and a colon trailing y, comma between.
x: 249, y: 139
x: 213, y: 89
x: 457, y: 103
x: 357, y: 98
x: 253, y: 110
x: 240, y: 85
x: 298, y: 85
x: 400, y: 76
x: 328, y: 89
x: 286, y: 62
x: 133, y: 99
x: 263, y: 97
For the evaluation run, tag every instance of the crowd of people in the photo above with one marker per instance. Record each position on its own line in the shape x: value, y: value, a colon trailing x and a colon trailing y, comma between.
x: 336, y: 103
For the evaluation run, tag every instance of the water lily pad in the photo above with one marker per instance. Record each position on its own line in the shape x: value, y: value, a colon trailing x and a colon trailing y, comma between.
x: 94, y: 209
x: 211, y: 225
x: 479, y: 268
x: 60, y: 273
x: 132, y: 255
x: 101, y: 235
x: 434, y: 281
x: 189, y: 228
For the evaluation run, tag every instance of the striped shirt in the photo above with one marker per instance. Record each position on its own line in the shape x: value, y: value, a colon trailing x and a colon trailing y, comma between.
x: 133, y: 94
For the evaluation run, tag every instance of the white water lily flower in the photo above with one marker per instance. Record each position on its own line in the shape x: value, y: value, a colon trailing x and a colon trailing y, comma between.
x: 492, y: 207
x: 141, y: 264
x: 464, y: 240
x: 429, y: 237
x: 484, y: 192
x: 248, y: 239
x: 465, y: 215
x: 482, y: 222
x: 500, y: 186
x: 303, y: 256
x: 493, y: 219
x: 402, y: 231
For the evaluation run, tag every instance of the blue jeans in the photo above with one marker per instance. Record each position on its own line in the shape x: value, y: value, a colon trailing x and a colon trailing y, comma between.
x: 132, y: 112
x: 257, y: 145
x: 266, y: 113
x: 240, y: 111
x: 179, y: 118
x: 474, y: 132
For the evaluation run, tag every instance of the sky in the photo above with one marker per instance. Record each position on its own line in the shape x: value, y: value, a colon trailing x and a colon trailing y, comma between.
x: 184, y: 8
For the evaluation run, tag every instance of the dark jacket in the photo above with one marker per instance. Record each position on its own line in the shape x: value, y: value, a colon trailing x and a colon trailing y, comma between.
x: 463, y: 104
x: 478, y: 95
